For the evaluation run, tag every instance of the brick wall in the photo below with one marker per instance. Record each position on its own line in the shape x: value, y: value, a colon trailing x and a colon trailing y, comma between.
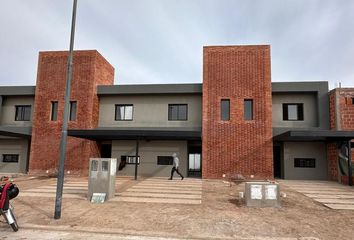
x: 340, y: 99
x: 89, y: 70
x: 237, y: 146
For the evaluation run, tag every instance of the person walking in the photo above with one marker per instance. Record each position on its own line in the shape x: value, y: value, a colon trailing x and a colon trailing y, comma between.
x: 175, y: 167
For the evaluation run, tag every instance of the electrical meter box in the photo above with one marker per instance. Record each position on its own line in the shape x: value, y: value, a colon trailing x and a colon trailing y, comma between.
x: 102, y: 178
x: 262, y: 194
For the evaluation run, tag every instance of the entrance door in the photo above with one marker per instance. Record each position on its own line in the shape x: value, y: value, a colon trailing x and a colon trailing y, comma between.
x: 106, y: 150
x: 194, y: 165
x: 277, y: 161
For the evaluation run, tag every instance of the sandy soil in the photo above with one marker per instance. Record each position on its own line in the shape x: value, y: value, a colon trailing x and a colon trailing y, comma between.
x: 220, y: 216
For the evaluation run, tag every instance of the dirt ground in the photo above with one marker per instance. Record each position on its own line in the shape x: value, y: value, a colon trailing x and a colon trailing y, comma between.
x: 220, y: 216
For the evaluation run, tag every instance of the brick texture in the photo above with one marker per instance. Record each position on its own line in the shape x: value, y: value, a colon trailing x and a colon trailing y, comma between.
x: 237, y: 146
x: 343, y: 121
x: 89, y: 70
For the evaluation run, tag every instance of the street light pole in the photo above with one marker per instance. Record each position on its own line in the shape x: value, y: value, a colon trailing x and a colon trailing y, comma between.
x: 64, y: 131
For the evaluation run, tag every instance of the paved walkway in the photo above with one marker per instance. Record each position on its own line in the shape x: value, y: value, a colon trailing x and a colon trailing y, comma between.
x: 330, y: 194
x: 151, y: 190
x: 161, y: 190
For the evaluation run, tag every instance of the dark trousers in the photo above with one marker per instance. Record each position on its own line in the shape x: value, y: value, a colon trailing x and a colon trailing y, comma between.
x: 174, y: 169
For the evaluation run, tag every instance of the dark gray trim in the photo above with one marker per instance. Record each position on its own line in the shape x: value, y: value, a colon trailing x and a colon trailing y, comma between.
x: 315, y: 135
x: 193, y: 88
x: 119, y: 134
x: 17, y: 90
x: 286, y: 87
x: 25, y: 132
x: 319, y: 88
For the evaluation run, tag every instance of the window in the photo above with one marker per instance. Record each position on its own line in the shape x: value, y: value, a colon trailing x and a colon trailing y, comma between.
x: 353, y: 100
x: 54, y: 114
x: 305, y: 162
x: 164, y: 160
x: 73, y: 109
x: 10, y: 158
x: 248, y: 109
x: 194, y: 162
x: 225, y: 109
x: 177, y: 112
x: 124, y: 112
x: 129, y: 159
x: 293, y: 111
x: 23, y: 113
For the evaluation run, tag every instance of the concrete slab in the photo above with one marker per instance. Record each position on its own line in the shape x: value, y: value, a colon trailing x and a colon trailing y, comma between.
x: 160, y: 195
x: 340, y: 206
x: 349, y: 196
x: 335, y: 201
x: 165, y: 191
x: 50, y: 195
x: 155, y: 200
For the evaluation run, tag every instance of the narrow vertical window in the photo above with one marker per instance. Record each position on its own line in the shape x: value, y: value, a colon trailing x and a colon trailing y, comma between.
x: 225, y: 109
x: 54, y: 115
x: 248, y: 109
x: 73, y: 109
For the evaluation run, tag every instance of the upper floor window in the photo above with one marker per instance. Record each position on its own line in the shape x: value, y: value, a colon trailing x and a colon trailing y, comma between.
x: 225, y: 109
x: 73, y: 109
x: 54, y: 113
x: 353, y: 100
x: 23, y: 113
x: 124, y: 112
x: 177, y: 112
x: 293, y: 111
x: 248, y: 109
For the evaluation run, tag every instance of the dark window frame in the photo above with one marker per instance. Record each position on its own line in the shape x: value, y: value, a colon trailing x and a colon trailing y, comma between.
x: 116, y: 106
x: 251, y: 111
x: 225, y: 116
x: 22, y: 113
x: 72, y: 116
x: 299, y: 109
x: 164, y: 160
x: 304, y: 162
x: 17, y: 156
x: 129, y: 159
x: 178, y: 105
x: 54, y: 111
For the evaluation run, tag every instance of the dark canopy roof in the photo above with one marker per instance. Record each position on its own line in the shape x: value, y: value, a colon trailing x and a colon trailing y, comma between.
x: 25, y: 132
x: 315, y: 135
x: 134, y: 133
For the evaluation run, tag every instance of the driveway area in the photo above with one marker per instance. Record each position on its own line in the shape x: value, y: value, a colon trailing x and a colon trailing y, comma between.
x: 156, y: 208
x: 330, y: 194
x: 151, y: 190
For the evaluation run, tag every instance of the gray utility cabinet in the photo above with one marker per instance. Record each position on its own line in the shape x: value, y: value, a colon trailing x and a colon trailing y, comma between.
x: 262, y: 194
x: 102, y: 177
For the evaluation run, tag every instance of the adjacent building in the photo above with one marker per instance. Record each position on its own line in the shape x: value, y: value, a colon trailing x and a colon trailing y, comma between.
x: 236, y: 122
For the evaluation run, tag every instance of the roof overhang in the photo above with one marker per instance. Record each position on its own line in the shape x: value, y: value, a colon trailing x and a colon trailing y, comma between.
x: 22, y: 132
x: 315, y: 135
x: 133, y: 134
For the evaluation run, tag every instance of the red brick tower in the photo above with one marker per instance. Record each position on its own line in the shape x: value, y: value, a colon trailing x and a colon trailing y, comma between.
x: 341, y: 110
x: 237, y: 73
x: 89, y: 70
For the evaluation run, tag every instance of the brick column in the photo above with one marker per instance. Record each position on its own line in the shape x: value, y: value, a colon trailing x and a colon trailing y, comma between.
x: 89, y: 70
x: 237, y: 146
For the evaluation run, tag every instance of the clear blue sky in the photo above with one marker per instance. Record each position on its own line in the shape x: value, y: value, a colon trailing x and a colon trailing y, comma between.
x: 161, y: 41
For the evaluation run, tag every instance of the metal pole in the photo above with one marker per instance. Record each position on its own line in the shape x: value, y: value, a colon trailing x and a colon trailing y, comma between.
x: 64, y: 133
x: 136, y: 159
x: 350, y: 174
